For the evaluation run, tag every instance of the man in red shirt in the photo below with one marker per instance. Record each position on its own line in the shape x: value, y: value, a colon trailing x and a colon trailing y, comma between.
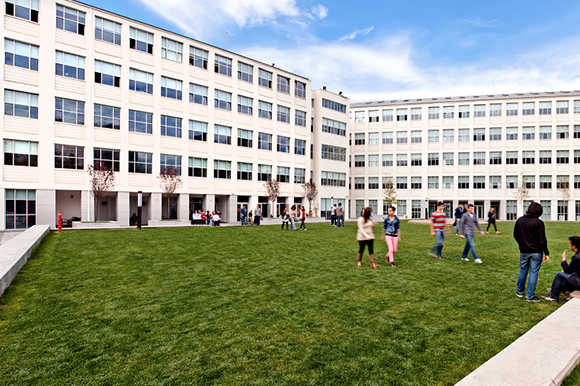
x: 438, y: 221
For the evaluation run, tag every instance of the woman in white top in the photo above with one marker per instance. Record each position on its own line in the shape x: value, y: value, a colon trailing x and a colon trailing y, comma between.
x: 365, y: 236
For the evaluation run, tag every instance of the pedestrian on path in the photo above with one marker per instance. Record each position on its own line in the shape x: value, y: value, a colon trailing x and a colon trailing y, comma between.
x: 491, y: 220
x: 438, y: 221
x: 468, y: 223
x: 366, y: 237
x: 391, y: 234
x: 303, y: 218
x: 566, y: 280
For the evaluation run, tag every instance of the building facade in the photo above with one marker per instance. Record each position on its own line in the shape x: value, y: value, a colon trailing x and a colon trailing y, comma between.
x: 83, y: 86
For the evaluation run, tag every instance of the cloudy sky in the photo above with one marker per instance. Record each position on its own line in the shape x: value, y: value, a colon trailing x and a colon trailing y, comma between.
x: 377, y: 50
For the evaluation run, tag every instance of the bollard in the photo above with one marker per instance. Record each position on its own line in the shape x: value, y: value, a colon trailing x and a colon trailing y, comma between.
x: 59, y: 221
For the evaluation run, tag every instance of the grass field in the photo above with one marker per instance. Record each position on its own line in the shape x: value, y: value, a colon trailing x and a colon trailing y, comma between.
x: 261, y: 306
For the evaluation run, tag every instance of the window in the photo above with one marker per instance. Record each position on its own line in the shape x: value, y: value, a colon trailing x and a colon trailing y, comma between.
x: 562, y: 210
x: 401, y: 114
x: 299, y: 147
x: 562, y: 107
x: 283, y: 114
x: 463, y: 135
x: 447, y: 182
x: 264, y: 78
x: 463, y: 111
x: 528, y: 157
x: 388, y: 137
x: 416, y: 183
x: 334, y: 106
x: 334, y: 153
x: 373, y: 182
x: 511, y: 210
x: 20, y: 153
x: 576, y: 131
x: 374, y: 116
x: 432, y: 182
x: 478, y: 182
x: 107, y: 31
x: 197, y: 94
x: 545, y: 182
x: 433, y: 159
x: 359, y: 183
x: 108, y: 74
x: 448, y: 135
x: 107, y: 117
x: 71, y: 66
x: 169, y: 162
x: 198, y: 131
x: 264, y: 172
x: 563, y: 182
x: 547, y: 206
x: 264, y: 141
x: 416, y: 136
x: 198, y: 57
x: 462, y: 158
x: 495, y: 157
x: 545, y: 156
x: 222, y: 169
x: 402, y: 208
x: 283, y: 174
x: 495, y: 110
x: 20, y: 208
x: 528, y: 108
x: 562, y: 156
x: 21, y: 55
x: 69, y: 111
x: 20, y: 104
x: 141, y: 40
x: 245, y: 138
x: 388, y: 183
x: 495, y: 182
x: 69, y: 157
x: 401, y: 159
x: 545, y: 132
x: 170, y: 126
x: 577, y: 156
x: 433, y: 112
x: 448, y: 112
x: 223, y: 65
x: 511, y: 182
x: 479, y: 111
x: 245, y: 105
x: 545, y: 108
x: 528, y: 132
x: 448, y: 159
x: 69, y: 19
x: 495, y: 134
x: 373, y: 138
x: 332, y: 179
x: 24, y: 9
x: 300, y: 89
x: 140, y: 122
x: 373, y: 160
x: 283, y: 84
x: 223, y: 100
x: 300, y: 120
x: 359, y: 139
x: 576, y: 182
x: 511, y: 109
x: 140, y: 81
x: 401, y: 137
x: 222, y: 134
x: 387, y: 160
x: 245, y: 72
x: 299, y: 175
x: 511, y: 133
x: 171, y: 88
x: 197, y: 167
x: 265, y: 110
x: 283, y: 145
x: 478, y: 135
x: 401, y: 182
x: 416, y: 159
x: 108, y: 158
x: 433, y: 136
x: 244, y: 171
x: 463, y: 182
x: 576, y: 107
x: 529, y: 182
x: 359, y: 161
x: 388, y: 115
x: 416, y: 114
x: 416, y: 208
x: 359, y: 116
x: 562, y: 132
x: 511, y: 157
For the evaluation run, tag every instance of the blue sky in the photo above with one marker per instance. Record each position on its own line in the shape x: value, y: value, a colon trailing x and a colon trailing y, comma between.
x: 378, y: 50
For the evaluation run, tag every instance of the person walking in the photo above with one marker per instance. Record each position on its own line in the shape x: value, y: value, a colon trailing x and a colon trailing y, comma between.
x: 243, y: 215
x: 250, y: 218
x: 285, y: 219
x: 340, y: 215
x: 458, y: 214
x: 530, y: 234
x: 567, y: 279
x: 438, y: 221
x: 391, y: 234
x: 366, y: 237
x: 293, y: 217
x: 257, y: 215
x: 216, y: 219
x: 468, y: 223
x: 303, y: 218
x: 333, y: 216
x: 491, y: 220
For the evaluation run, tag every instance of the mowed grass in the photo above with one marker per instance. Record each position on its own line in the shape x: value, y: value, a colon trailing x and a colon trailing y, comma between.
x: 261, y: 306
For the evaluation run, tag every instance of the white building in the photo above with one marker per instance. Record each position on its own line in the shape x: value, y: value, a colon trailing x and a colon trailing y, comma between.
x: 84, y: 86
x: 473, y: 149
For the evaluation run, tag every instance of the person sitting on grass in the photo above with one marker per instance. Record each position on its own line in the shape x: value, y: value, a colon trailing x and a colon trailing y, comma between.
x: 566, y: 280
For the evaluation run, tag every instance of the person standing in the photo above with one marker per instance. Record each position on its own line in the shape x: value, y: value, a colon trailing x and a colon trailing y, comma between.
x: 530, y: 234
x: 458, y: 214
x: 333, y: 216
x: 243, y: 215
x: 468, y: 223
x: 340, y: 215
x: 366, y: 237
x: 491, y: 220
x: 303, y: 218
x: 438, y: 221
x: 391, y: 234
x: 566, y: 280
x: 258, y: 214
x: 285, y: 219
x: 250, y: 218
x: 293, y: 217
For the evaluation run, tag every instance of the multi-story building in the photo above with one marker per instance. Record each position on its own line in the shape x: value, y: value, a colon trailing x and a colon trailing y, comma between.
x: 479, y: 149
x: 83, y: 86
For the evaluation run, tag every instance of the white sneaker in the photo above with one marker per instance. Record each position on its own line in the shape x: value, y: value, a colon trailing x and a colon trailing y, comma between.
x: 477, y: 261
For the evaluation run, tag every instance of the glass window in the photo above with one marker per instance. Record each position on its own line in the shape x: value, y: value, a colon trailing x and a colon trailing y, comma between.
x: 495, y: 110
x: 141, y: 40
x: 545, y: 132
x: 402, y: 160
x: 333, y: 153
x: 20, y: 208
x: 170, y: 126
x: 300, y: 89
x: 387, y: 115
x: 562, y: 131
x: 359, y: 183
x: 416, y: 159
x: 462, y: 158
x: 198, y: 57
x: 107, y: 117
x: 172, y: 50
x: 20, y: 55
x: 448, y: 112
x: 107, y: 30
x: 433, y: 112
x: 71, y: 66
x: 222, y: 134
x: 245, y: 72
x: 223, y: 100
x: 478, y: 182
x: 168, y: 163
x: 69, y: 19
x: 373, y: 138
x: 528, y: 157
x: 416, y: 136
x: 20, y: 153
x: 24, y: 9
x: 528, y: 108
x: 416, y: 182
x: 223, y: 65
x: 511, y: 182
x: 447, y: 182
x: 576, y: 107
x: 530, y: 183
x: 562, y: 182
x: 20, y: 104
x: 495, y: 157
x: 245, y: 138
x: 373, y: 183
x: 244, y: 171
x: 283, y: 84
x: 479, y: 111
x: 434, y: 135
x: 332, y: 179
x: 562, y: 107
x: 359, y: 139
x: 283, y: 114
x: 495, y: 182
x: 140, y: 162
x: 463, y: 111
x: 69, y: 111
x: 245, y: 105
x: 264, y: 78
x: 463, y: 135
x: 495, y: 134
x: 545, y: 108
x: 448, y: 135
x: 511, y: 157
x: 545, y: 156
x: 401, y: 114
x: 197, y: 94
x: 108, y: 74
x: 432, y: 182
x: 264, y: 110
x: 140, y: 122
x: 108, y: 158
x: 359, y: 161
x: 511, y: 133
x: 334, y: 106
x: 401, y: 182
x: 69, y: 157
x: 264, y: 172
x: 373, y: 160
x: 416, y: 114
x: 463, y: 182
x: 264, y: 141
x: 197, y: 167
x: 299, y: 147
x: 433, y: 159
x: 562, y: 156
x: 387, y: 160
x: 401, y: 137
x: 171, y: 88
x: 511, y: 109
x: 140, y: 81
x: 359, y: 116
x: 283, y: 174
x: 448, y: 159
x: 283, y: 145
x: 545, y: 182
x: 387, y: 137
x: 300, y: 119
x: 528, y: 132
x: 222, y: 169
x: 478, y: 135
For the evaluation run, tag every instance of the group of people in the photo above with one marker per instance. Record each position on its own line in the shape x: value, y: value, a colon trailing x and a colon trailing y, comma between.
x: 199, y: 217
x: 366, y: 238
x: 337, y: 216
x: 250, y: 218
x: 293, y: 215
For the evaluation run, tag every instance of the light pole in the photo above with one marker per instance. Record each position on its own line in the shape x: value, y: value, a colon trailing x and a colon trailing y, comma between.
x: 426, y: 208
x: 139, y: 206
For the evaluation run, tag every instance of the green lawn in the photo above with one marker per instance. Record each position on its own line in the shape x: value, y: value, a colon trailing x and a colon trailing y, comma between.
x: 261, y: 306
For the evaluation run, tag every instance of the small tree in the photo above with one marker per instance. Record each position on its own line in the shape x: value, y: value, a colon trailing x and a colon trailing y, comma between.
x: 522, y: 192
x: 310, y: 192
x: 169, y: 180
x: 389, y: 191
x: 563, y: 186
x: 102, y: 183
x: 272, y: 190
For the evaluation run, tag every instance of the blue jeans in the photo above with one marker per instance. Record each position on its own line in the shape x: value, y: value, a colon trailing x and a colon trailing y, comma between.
x: 457, y: 225
x: 529, y: 262
x: 560, y: 284
x: 439, y: 239
x: 244, y: 223
x: 257, y: 219
x: 339, y: 221
x: 292, y: 224
x: 469, y: 246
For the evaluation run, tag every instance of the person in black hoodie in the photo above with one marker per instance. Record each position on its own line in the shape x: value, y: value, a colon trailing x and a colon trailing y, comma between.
x: 530, y: 235
x: 567, y: 280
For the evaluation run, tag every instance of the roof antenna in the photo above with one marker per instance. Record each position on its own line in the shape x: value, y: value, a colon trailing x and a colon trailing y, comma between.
x: 227, y: 40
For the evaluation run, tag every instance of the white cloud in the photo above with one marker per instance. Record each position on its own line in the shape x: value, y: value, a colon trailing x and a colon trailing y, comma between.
x: 320, y: 11
x: 483, y: 23
x: 355, y: 33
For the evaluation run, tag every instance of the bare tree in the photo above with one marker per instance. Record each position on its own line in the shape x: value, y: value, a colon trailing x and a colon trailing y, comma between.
x: 310, y: 192
x: 389, y: 191
x: 563, y: 186
x: 169, y: 180
x: 272, y: 191
x: 102, y: 183
x: 522, y: 192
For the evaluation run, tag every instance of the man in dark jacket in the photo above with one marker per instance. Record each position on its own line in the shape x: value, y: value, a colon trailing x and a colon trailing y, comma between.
x: 568, y: 279
x: 458, y: 213
x: 530, y: 235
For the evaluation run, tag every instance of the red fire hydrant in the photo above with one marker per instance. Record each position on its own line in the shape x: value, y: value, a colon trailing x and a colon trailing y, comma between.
x: 59, y: 221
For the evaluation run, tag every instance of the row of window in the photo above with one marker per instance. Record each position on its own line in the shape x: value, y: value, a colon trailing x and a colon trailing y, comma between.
x: 464, y: 111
